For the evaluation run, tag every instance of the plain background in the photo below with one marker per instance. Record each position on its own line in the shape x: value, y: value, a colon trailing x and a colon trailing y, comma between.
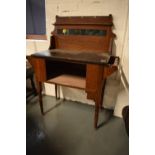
x: 13, y: 81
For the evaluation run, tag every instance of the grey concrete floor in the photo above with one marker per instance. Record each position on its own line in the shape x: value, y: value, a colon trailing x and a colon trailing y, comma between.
x: 67, y: 129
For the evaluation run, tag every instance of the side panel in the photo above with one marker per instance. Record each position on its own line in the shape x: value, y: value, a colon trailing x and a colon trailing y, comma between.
x: 94, y: 81
x: 39, y: 69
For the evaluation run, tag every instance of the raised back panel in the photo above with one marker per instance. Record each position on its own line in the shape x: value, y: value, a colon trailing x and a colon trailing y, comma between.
x: 87, y: 34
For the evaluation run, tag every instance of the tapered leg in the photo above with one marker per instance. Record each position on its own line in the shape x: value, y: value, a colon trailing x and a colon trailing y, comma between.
x: 56, y: 91
x: 33, y: 85
x: 99, y: 102
x: 97, y: 107
x: 102, y: 93
x: 40, y: 97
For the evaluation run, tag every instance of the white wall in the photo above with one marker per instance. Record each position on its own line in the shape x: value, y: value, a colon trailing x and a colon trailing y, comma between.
x: 119, y: 10
x: 125, y: 54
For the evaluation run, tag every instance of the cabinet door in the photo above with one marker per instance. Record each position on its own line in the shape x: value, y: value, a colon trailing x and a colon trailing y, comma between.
x: 39, y: 69
x: 94, y: 80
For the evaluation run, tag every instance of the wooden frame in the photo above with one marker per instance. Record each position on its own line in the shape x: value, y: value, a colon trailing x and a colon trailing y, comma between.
x: 64, y: 68
x: 36, y: 37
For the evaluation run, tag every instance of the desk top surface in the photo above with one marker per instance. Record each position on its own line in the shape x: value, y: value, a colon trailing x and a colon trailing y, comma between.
x: 74, y: 56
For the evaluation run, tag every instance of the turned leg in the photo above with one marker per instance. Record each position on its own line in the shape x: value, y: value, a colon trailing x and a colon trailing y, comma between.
x: 40, y: 96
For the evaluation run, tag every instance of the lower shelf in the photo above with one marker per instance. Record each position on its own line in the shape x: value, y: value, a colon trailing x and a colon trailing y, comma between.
x: 69, y: 81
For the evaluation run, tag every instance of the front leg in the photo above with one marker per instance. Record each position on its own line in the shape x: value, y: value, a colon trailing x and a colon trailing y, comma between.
x: 96, y: 116
x: 39, y: 84
x: 39, y: 65
x: 102, y: 93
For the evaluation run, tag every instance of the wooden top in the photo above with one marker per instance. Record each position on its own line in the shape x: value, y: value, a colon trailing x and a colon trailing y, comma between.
x: 74, y: 56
